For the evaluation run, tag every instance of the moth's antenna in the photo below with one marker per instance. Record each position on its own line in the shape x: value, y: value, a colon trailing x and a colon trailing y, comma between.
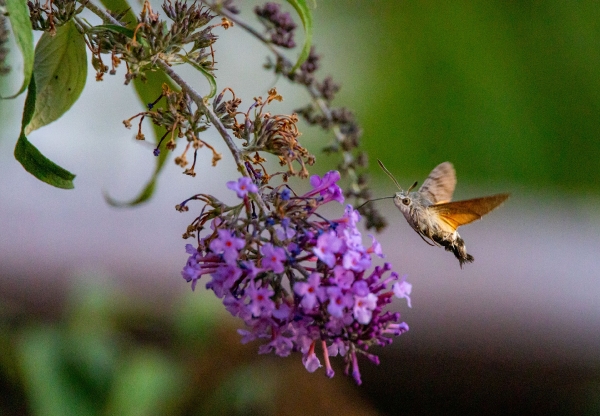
x: 389, y: 174
x: 414, y: 185
x: 376, y: 199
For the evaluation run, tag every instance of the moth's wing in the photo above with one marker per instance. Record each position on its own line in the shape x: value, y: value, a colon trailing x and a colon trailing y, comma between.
x: 455, y: 214
x: 439, y: 185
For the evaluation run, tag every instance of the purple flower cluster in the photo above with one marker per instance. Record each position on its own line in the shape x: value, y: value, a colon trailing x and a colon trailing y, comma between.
x: 297, y: 282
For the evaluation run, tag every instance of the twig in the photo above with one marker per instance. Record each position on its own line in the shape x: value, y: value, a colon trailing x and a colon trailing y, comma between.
x: 198, y: 99
x: 315, y: 95
x: 100, y: 13
x: 313, y: 92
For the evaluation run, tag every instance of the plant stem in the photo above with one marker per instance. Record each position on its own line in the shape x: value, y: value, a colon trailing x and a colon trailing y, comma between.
x: 208, y: 111
x: 314, y: 93
x: 99, y: 12
x: 198, y: 99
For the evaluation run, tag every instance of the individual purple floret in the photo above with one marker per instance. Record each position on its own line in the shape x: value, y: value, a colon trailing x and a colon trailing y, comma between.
x: 242, y: 186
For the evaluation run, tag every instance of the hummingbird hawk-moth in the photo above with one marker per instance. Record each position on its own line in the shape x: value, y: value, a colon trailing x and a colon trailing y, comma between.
x: 431, y: 214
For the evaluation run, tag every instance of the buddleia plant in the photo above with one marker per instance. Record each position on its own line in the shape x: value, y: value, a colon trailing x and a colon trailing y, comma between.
x: 300, y: 282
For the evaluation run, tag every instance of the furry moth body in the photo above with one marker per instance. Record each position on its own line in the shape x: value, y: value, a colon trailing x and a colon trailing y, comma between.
x: 430, y: 212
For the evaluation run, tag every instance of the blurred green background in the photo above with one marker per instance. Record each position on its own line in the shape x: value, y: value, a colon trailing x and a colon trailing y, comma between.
x: 507, y: 91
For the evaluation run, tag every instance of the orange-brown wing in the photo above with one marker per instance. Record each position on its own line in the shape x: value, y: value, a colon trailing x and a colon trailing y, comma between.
x: 460, y: 213
x: 439, y: 185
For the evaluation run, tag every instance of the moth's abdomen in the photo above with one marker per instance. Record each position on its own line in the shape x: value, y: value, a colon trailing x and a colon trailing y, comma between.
x: 456, y: 245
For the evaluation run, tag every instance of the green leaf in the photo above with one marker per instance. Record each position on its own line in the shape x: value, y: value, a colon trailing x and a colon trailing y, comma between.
x: 18, y: 14
x: 30, y: 157
x: 117, y: 29
x: 29, y: 108
x: 59, y: 74
x: 119, y: 6
x: 306, y: 17
x: 47, y: 378
x: 40, y: 166
x: 146, y: 383
x: 210, y: 77
x: 147, y: 91
x: 146, y: 192
x: 121, y: 30
x: 60, y: 71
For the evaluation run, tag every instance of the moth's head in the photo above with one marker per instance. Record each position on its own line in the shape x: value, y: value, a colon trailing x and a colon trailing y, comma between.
x: 403, y: 200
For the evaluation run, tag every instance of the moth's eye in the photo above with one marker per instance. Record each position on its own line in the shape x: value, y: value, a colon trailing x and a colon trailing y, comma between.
x: 406, y: 201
